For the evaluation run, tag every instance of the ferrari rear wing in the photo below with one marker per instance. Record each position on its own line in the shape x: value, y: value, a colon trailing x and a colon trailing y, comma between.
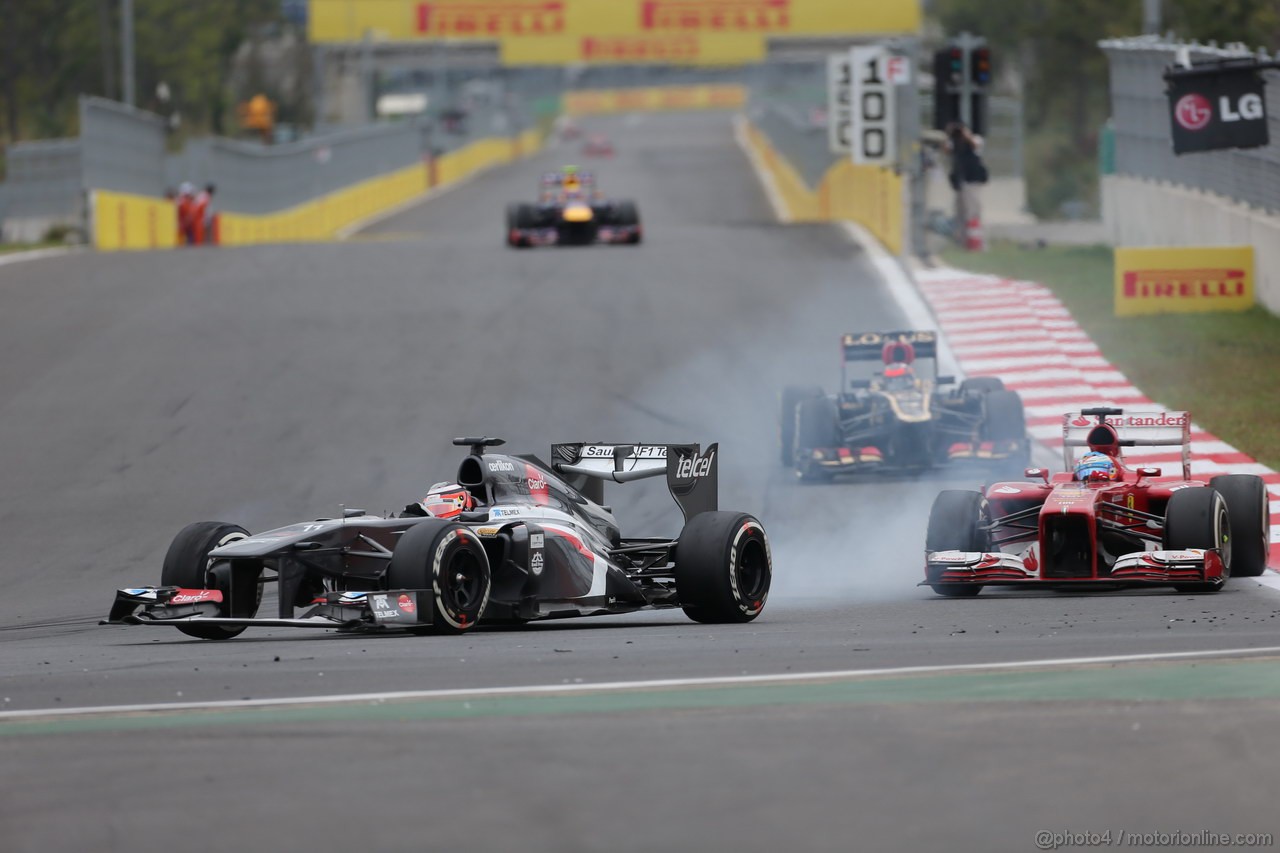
x: 692, y: 475
x: 1131, y: 429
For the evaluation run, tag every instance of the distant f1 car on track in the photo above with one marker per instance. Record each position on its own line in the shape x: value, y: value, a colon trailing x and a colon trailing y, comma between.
x: 597, y: 145
x: 891, y: 415
x: 512, y: 540
x: 571, y: 212
x: 1102, y: 522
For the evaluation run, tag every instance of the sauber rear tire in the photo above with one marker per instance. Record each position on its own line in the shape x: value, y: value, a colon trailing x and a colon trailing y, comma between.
x: 447, y: 560
x: 186, y: 564
x: 957, y: 522
x: 1197, y: 518
x: 792, y: 397
x: 723, y: 567
x: 1249, y: 509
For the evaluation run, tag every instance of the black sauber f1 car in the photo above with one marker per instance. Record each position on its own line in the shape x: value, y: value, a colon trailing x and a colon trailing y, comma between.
x: 1102, y: 523
x: 534, y: 542
x: 571, y: 212
x: 891, y: 416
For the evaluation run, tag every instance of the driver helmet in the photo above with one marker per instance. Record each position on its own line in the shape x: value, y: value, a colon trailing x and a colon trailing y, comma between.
x: 447, y: 500
x: 898, y: 370
x: 1096, y: 466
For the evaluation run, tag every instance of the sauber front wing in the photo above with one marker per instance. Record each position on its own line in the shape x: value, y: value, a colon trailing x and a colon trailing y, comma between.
x: 344, y: 611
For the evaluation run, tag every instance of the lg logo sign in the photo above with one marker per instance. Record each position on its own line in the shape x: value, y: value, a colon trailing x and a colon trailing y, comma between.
x: 1211, y: 108
x: 1194, y: 112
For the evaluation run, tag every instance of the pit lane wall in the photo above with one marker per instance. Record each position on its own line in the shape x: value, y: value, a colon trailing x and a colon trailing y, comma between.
x: 121, y: 221
x: 868, y: 195
x: 654, y: 99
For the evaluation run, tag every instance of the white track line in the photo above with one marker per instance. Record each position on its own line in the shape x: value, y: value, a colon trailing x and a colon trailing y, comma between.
x: 37, y: 254
x: 621, y: 686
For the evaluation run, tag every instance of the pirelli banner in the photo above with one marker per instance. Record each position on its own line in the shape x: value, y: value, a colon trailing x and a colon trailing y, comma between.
x: 1159, y: 280
x: 561, y: 32
x: 657, y: 98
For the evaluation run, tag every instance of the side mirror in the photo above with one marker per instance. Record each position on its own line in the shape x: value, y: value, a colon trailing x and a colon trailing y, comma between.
x: 1149, y: 472
x: 1033, y: 473
x: 945, y: 380
x: 351, y: 512
x: 859, y: 383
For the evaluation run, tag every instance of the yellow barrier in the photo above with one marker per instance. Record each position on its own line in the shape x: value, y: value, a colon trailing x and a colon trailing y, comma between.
x: 125, y: 221
x: 138, y: 222
x: 868, y: 195
x: 653, y: 99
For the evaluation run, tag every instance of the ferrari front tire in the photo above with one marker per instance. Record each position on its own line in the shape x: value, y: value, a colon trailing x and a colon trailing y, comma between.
x: 1197, y: 518
x: 1249, y: 510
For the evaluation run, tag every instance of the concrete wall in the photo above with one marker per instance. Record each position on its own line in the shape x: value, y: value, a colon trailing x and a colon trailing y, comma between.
x: 1140, y: 212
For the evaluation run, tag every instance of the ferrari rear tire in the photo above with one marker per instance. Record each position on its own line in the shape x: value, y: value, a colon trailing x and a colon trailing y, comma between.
x: 792, y: 397
x: 1197, y: 518
x: 186, y: 564
x: 446, y: 560
x: 1249, y: 509
x: 957, y: 522
x: 723, y: 567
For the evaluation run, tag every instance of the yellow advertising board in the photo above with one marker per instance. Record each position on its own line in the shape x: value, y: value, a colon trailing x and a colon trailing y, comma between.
x: 349, y: 21
x: 1190, y: 280
x: 656, y: 98
x: 672, y: 49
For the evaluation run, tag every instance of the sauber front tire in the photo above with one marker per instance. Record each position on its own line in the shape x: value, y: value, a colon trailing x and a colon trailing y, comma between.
x: 186, y: 564
x: 723, y: 567
x: 447, y: 560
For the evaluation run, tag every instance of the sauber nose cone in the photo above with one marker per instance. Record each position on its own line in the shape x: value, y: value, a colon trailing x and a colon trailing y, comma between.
x: 577, y: 213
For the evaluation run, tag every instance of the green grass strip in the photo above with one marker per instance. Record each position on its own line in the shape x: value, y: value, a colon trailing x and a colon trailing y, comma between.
x: 1254, y: 679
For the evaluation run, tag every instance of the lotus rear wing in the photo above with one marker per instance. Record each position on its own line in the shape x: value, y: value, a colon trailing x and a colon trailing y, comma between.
x: 1131, y: 429
x: 692, y: 475
x: 906, y: 345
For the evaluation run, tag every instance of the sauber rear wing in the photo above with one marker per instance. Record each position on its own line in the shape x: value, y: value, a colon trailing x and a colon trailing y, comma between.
x: 1132, y: 429
x: 692, y: 475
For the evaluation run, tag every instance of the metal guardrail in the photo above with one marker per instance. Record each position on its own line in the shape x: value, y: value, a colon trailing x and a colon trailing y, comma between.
x: 1143, y: 140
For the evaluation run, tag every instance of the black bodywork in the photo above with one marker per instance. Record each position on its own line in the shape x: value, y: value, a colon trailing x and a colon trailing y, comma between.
x: 890, y: 424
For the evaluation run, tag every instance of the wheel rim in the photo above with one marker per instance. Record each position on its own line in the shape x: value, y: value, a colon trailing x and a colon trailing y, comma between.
x: 462, y: 584
x: 1224, y: 534
x: 752, y: 570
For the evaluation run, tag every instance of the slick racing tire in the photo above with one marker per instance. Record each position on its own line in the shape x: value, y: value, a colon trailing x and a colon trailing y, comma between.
x: 187, y: 564
x: 723, y: 567
x: 817, y: 426
x: 1197, y: 518
x: 446, y: 560
x: 1249, y: 510
x: 792, y: 397
x: 979, y: 385
x: 628, y: 214
x: 957, y: 522
x: 1003, y: 417
x: 520, y: 217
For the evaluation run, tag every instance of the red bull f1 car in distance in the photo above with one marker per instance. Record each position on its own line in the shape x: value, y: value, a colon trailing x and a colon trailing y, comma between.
x: 512, y: 540
x: 892, y: 415
x: 1103, y: 522
x: 570, y: 211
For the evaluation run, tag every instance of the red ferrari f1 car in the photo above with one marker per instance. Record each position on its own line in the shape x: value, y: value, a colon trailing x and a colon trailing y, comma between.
x: 1102, y: 522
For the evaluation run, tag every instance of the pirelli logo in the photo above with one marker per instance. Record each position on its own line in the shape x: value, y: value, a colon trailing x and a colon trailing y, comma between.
x: 640, y: 48
x: 728, y: 16
x: 1184, y: 284
x: 1183, y: 280
x: 491, y: 20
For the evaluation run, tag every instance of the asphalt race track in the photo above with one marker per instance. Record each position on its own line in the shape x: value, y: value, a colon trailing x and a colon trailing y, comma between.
x: 266, y: 385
